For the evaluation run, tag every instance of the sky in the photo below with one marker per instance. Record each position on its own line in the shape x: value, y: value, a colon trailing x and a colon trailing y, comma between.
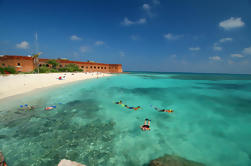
x: 204, y: 36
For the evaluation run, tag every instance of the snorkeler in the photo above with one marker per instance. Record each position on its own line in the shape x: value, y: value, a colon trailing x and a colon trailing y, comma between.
x: 146, y: 125
x: 50, y: 108
x: 120, y: 102
x: 26, y: 107
x: 2, y: 161
x: 135, y: 108
x: 164, y: 110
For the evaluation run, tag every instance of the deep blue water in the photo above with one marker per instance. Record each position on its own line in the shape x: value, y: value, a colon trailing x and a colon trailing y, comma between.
x: 210, y: 123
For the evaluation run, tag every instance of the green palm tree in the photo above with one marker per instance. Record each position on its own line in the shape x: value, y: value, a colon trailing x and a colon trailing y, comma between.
x: 36, y: 60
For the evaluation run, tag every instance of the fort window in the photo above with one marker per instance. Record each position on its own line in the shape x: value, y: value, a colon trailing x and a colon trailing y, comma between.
x: 18, y: 64
x: 40, y: 65
x: 82, y: 66
x: 105, y: 67
x: 90, y: 66
x: 47, y: 65
x: 101, y: 67
x: 3, y: 64
x: 94, y: 67
x: 98, y: 67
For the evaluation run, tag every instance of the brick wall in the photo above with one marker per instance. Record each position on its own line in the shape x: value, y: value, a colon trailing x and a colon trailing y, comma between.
x: 20, y: 63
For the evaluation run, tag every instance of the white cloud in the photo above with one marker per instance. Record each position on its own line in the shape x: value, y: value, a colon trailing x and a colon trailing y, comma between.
x: 84, y: 49
x: 215, y: 58
x: 223, y: 40
x: 141, y: 21
x: 146, y: 7
x: 170, y: 36
x: 237, y: 56
x: 75, y: 37
x: 128, y: 22
x: 217, y: 48
x: 247, y: 51
x: 156, y: 2
x: 232, y: 23
x: 23, y: 45
x: 194, y: 48
x: 134, y: 37
x: 99, y: 43
x: 121, y: 53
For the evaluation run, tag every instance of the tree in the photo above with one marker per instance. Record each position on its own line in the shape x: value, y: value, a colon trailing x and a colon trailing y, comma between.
x: 36, y: 60
x: 70, y: 68
x: 53, y: 62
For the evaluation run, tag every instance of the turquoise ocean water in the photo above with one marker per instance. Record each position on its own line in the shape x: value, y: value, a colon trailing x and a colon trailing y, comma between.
x: 211, y: 122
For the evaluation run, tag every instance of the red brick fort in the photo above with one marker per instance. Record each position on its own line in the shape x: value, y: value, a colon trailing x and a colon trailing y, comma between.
x: 26, y: 64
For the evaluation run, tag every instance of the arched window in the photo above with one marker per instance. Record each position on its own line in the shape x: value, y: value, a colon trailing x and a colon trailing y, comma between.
x: 90, y: 66
x: 98, y: 67
x: 101, y: 67
x: 82, y: 66
x: 47, y: 65
x: 18, y: 64
x: 94, y: 67
x: 40, y: 65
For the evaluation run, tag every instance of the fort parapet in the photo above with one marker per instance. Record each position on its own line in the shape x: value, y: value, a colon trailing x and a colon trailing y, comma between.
x: 26, y: 64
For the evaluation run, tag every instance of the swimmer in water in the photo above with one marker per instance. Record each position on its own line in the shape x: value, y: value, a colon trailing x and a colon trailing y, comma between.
x: 164, y: 110
x: 146, y: 125
x: 120, y: 102
x: 135, y: 108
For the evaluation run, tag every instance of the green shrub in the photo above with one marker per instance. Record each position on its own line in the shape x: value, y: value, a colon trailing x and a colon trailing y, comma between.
x: 53, y: 62
x: 53, y: 70
x: 10, y: 70
x: 62, y: 69
x: 1, y: 70
x: 43, y: 69
x: 71, y: 67
x: 67, y: 68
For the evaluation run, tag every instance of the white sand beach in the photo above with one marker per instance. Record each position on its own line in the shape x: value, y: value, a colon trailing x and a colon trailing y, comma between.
x: 11, y: 85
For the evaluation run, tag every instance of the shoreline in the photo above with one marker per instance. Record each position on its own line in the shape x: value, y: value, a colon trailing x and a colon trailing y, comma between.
x: 15, y: 85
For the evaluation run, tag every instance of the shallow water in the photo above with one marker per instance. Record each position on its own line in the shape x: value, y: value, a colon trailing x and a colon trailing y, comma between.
x: 210, y: 123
